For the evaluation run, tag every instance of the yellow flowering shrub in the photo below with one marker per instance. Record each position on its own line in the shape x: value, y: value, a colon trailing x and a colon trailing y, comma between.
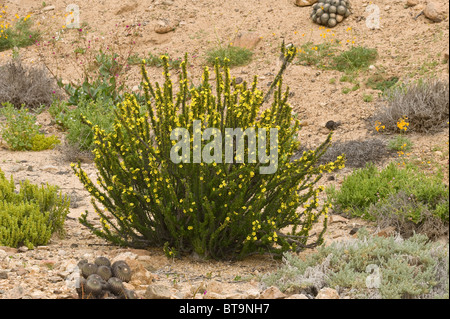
x: 217, y: 210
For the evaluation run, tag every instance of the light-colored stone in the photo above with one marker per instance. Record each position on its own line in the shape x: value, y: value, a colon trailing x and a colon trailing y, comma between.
x: 412, y: 3
x: 247, y: 40
x: 124, y: 256
x: 213, y: 295
x: 48, y: 8
x: 327, y: 293
x: 272, y: 293
x: 433, y: 12
x: 337, y: 219
x: 158, y: 291
x: 297, y: 296
x: 305, y: 3
x: 387, y: 232
x: 214, y: 286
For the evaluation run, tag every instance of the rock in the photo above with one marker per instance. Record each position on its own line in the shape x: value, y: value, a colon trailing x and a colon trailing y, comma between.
x: 253, y: 293
x: 297, y: 296
x: 412, y: 3
x: 18, y: 292
x: 213, y: 295
x: 332, y: 125
x: 48, y: 8
x: 22, y: 249
x: 433, y: 12
x: 327, y: 293
x: 3, y: 275
x: 246, y: 40
x: 124, y: 256
x: 337, y: 219
x: 214, y: 286
x: 163, y: 29
x: 158, y: 291
x: 305, y: 3
x: 387, y: 232
x: 272, y: 293
x: 50, y: 168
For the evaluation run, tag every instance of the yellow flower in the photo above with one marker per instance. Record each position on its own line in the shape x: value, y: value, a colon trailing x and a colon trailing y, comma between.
x: 190, y: 228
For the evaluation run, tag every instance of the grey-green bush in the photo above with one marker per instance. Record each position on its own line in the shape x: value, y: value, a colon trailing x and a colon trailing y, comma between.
x: 411, y: 268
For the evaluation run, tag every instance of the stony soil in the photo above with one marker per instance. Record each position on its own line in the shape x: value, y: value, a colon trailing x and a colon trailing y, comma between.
x: 407, y: 48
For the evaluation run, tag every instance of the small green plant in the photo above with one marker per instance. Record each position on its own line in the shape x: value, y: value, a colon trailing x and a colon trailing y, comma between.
x: 153, y: 60
x: 19, y: 34
x: 102, y: 83
x: 21, y: 132
x: 379, y: 82
x: 237, y: 56
x: 367, y: 98
x: 346, y: 90
x: 79, y: 134
x: 319, y: 55
x: 369, y: 267
x: 29, y: 216
x: 400, y: 143
x: 369, y: 186
x: 355, y: 59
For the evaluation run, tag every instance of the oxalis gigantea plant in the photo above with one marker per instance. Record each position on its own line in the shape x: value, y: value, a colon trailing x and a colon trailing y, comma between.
x: 218, y: 209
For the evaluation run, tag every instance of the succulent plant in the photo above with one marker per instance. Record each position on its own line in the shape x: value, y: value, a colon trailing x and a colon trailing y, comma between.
x: 103, y: 280
x: 330, y: 12
x: 115, y: 285
x: 121, y: 270
x: 129, y: 294
x: 93, y: 287
x: 88, y: 269
x: 104, y: 272
x: 102, y: 261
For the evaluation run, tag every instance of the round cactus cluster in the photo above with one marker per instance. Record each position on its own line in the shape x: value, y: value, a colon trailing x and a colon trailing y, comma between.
x: 330, y: 12
x: 103, y: 280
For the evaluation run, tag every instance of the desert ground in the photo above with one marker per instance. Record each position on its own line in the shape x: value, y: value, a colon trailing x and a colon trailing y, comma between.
x: 410, y: 46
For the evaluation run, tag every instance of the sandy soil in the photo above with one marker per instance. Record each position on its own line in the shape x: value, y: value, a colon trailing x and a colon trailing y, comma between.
x: 407, y: 49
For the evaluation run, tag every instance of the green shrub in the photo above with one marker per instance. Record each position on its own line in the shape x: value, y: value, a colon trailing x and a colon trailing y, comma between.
x: 378, y: 82
x: 101, y: 83
x: 217, y: 210
x: 410, y: 216
x: 155, y: 60
x: 400, y: 143
x: 30, y: 215
x: 18, y: 35
x: 367, y: 98
x: 411, y: 268
x: 79, y: 134
x: 21, y: 132
x: 237, y: 56
x: 355, y: 59
x: 319, y: 55
x: 369, y: 186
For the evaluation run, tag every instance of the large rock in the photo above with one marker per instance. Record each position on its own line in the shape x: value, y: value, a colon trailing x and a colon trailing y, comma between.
x: 158, y: 291
x: 272, y: 293
x: 327, y: 293
x: 433, y: 12
x: 246, y: 40
x: 412, y: 3
x: 305, y: 3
